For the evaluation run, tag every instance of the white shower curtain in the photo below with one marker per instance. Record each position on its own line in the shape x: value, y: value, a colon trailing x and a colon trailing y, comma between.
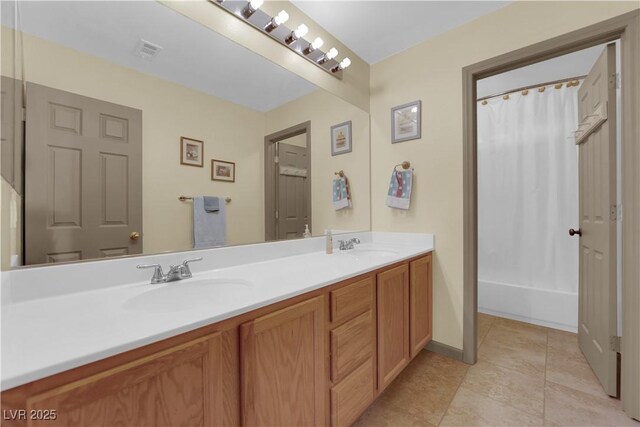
x: 528, y: 194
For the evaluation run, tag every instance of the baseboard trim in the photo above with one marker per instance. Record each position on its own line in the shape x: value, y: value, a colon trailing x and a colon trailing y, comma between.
x: 445, y: 350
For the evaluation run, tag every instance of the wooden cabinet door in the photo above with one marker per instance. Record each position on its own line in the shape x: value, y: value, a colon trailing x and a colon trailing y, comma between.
x: 181, y: 386
x: 283, y: 367
x: 393, y: 324
x: 420, y: 304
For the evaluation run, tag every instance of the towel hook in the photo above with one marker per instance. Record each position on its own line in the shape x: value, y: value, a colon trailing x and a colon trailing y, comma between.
x: 404, y: 165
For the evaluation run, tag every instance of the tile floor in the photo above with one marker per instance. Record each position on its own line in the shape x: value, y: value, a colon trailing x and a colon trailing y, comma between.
x: 525, y: 375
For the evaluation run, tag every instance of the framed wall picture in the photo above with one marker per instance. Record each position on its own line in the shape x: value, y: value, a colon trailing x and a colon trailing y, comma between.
x: 191, y: 152
x: 223, y: 171
x: 406, y: 122
x: 341, y: 138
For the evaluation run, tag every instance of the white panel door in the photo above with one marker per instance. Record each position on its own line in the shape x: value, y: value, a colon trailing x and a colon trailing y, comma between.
x: 597, y: 233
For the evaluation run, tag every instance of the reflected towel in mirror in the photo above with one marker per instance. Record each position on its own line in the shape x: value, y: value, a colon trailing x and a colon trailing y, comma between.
x: 341, y: 195
x: 209, y: 228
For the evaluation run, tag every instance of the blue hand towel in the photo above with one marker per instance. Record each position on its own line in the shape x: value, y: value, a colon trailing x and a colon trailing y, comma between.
x: 211, y: 204
x: 399, y: 195
x: 209, y: 228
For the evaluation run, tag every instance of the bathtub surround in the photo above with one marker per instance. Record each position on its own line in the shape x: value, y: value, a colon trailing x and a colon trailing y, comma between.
x: 45, y: 303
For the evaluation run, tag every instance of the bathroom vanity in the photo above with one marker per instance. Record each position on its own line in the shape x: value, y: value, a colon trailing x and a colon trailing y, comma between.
x: 312, y: 348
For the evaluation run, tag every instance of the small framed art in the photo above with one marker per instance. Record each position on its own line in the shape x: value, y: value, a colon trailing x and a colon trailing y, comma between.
x: 223, y: 171
x: 406, y: 122
x: 191, y: 152
x: 341, y: 138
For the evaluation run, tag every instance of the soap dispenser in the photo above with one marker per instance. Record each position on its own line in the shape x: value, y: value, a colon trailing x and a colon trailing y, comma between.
x: 329, y: 242
x: 307, y: 232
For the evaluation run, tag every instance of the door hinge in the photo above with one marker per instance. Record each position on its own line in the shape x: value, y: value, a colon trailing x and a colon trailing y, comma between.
x: 613, y: 213
x: 614, y: 343
x: 614, y: 81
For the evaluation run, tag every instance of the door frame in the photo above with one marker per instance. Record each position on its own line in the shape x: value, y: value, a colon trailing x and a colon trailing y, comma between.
x: 625, y: 27
x: 270, y: 176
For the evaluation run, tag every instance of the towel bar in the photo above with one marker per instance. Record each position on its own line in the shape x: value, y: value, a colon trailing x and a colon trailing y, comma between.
x: 185, y: 198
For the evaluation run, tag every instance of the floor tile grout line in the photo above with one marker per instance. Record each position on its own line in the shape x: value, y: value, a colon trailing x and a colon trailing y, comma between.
x: 444, y: 413
x: 544, y: 385
x: 511, y: 370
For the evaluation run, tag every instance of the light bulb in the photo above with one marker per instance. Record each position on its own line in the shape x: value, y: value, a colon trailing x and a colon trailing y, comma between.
x: 251, y: 8
x: 301, y: 31
x: 345, y: 63
x: 414, y: 110
x: 333, y: 52
x: 317, y: 43
x: 255, y: 4
x: 281, y: 18
x: 342, y: 65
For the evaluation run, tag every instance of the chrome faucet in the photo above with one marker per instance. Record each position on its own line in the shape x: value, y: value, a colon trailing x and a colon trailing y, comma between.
x: 348, y: 244
x: 176, y: 272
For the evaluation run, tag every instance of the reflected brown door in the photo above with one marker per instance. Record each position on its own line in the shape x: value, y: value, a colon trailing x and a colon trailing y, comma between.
x: 11, y: 132
x: 597, y: 187
x: 293, y: 191
x: 83, y: 180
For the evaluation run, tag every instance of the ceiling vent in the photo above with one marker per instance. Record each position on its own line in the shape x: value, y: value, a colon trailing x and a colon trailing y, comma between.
x: 147, y: 50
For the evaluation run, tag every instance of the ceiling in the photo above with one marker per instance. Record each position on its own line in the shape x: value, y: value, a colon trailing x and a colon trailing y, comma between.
x: 562, y: 67
x: 192, y: 55
x: 375, y: 30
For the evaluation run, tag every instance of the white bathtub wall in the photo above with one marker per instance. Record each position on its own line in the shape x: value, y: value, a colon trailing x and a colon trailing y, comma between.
x: 544, y: 307
x: 527, y: 201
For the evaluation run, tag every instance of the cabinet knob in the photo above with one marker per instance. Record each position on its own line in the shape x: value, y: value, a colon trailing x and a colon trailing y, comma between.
x: 134, y: 235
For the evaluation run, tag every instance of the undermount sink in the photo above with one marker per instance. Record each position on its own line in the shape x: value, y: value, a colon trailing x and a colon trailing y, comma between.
x: 189, y: 294
x: 371, y: 253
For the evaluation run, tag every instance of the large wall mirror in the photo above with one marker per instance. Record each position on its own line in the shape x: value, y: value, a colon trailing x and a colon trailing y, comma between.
x: 117, y: 116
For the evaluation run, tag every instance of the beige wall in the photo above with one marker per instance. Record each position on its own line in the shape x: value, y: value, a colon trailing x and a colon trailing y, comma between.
x: 354, y: 87
x: 432, y: 72
x: 325, y: 110
x: 230, y: 132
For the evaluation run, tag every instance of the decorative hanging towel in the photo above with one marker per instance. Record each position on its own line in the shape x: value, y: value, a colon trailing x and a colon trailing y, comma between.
x: 399, y: 195
x: 341, y: 193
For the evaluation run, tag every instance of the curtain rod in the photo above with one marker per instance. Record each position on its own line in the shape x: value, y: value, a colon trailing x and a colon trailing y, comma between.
x: 568, y: 79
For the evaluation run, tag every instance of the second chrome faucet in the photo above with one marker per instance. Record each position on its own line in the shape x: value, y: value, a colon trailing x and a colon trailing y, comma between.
x: 176, y: 272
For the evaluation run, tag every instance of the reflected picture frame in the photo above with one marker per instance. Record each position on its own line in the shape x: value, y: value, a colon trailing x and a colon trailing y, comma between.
x: 406, y: 122
x: 341, y: 142
x: 222, y: 170
x: 191, y: 152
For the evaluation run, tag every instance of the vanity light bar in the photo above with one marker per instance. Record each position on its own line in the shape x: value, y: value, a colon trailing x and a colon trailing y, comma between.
x: 273, y: 26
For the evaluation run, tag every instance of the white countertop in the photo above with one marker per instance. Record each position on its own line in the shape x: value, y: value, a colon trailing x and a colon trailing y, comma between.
x: 42, y: 336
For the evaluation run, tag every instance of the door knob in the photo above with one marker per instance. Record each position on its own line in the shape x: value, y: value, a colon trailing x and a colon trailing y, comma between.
x: 134, y: 235
x: 573, y: 232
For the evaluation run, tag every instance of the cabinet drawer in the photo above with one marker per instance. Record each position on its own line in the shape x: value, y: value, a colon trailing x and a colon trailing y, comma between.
x: 351, y: 345
x: 351, y: 397
x: 351, y: 300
